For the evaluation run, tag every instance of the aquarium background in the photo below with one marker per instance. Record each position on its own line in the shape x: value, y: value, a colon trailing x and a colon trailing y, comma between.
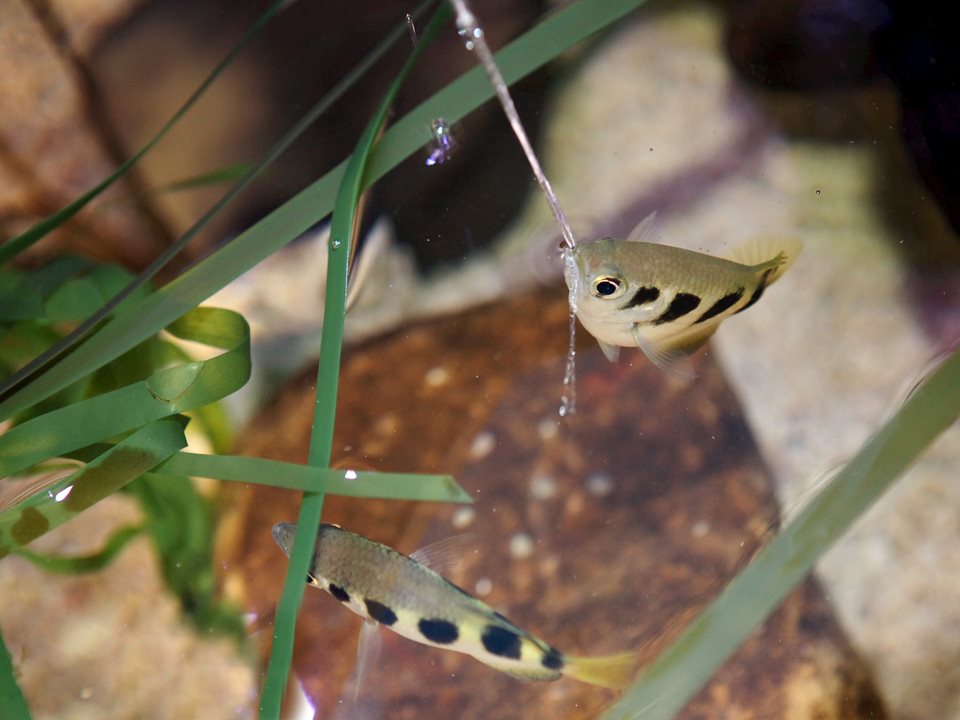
x: 603, y: 531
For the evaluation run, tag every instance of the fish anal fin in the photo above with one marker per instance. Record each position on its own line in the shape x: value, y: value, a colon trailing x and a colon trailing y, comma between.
x: 609, y: 671
x: 368, y: 650
x: 673, y: 355
x: 763, y: 253
x: 611, y: 352
x: 645, y: 230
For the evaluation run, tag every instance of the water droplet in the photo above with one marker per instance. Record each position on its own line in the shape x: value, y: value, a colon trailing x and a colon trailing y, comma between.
x: 335, y: 244
x: 818, y: 191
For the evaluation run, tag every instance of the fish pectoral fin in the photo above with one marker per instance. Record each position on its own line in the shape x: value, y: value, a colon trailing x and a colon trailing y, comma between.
x: 368, y: 650
x: 645, y: 230
x: 612, y: 352
x: 671, y: 355
x: 764, y: 253
x: 609, y: 671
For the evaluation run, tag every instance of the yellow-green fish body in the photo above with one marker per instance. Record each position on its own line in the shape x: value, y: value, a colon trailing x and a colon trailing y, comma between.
x: 665, y: 300
x: 400, y: 593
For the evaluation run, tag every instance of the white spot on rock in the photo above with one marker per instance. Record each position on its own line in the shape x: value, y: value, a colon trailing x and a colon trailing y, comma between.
x: 463, y: 517
x: 543, y: 487
x: 599, y: 484
x: 547, y: 429
x: 482, y: 445
x: 437, y: 376
x: 521, y: 546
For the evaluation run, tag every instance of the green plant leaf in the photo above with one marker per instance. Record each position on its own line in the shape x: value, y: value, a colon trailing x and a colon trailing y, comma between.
x: 11, y: 698
x: 682, y: 669
x: 167, y: 392
x: 105, y: 474
x: 360, y: 483
x: 75, y: 564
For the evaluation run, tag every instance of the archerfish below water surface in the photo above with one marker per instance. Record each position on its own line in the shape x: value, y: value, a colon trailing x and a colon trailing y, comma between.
x: 666, y: 300
x: 398, y: 592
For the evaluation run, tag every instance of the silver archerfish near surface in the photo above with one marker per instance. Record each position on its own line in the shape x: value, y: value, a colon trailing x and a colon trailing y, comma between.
x: 400, y: 593
x: 665, y: 300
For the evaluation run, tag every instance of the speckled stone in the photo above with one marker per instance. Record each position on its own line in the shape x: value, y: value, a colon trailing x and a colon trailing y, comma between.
x: 685, y: 501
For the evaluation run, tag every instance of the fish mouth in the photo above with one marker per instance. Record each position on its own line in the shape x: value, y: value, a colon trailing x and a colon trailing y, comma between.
x: 283, y: 533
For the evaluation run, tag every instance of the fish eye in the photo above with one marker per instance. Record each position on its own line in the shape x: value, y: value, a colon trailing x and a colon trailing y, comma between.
x: 607, y: 287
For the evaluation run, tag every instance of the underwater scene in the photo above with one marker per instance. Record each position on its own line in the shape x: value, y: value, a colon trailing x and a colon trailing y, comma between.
x: 534, y: 359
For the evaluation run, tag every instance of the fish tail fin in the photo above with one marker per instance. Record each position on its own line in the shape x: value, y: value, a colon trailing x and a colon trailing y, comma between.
x: 609, y: 671
x: 763, y: 253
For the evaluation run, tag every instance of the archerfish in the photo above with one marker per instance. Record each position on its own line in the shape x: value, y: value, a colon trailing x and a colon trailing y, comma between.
x: 398, y: 592
x: 666, y: 300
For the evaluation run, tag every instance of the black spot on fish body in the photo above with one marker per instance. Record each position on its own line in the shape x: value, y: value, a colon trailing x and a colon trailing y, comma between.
x: 500, y: 641
x: 380, y: 612
x: 758, y: 293
x: 441, y: 632
x: 721, y: 305
x: 553, y: 660
x: 641, y: 297
x: 339, y: 593
x: 681, y: 304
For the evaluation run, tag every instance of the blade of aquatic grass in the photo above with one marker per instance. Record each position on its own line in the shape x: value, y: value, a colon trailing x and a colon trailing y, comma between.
x: 11, y: 698
x: 328, y: 378
x: 683, y: 668
x: 214, y: 177
x: 166, y: 392
x: 140, y: 452
x: 521, y: 57
x: 76, y: 564
x: 123, y: 300
x: 21, y: 242
x: 331, y: 481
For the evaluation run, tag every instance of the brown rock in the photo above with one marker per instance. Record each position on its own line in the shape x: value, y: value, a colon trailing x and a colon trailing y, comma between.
x: 601, y: 532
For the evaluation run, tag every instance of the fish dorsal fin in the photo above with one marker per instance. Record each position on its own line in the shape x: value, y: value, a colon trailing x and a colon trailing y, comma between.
x: 443, y: 555
x: 645, y: 230
x: 672, y: 355
x: 764, y: 252
x: 368, y: 650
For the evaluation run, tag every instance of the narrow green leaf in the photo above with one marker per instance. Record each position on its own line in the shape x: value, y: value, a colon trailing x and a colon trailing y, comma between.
x: 167, y: 392
x: 11, y: 698
x: 682, y: 669
x: 328, y: 376
x: 75, y: 564
x: 521, y: 57
x: 105, y: 474
x: 360, y: 483
x: 222, y: 175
